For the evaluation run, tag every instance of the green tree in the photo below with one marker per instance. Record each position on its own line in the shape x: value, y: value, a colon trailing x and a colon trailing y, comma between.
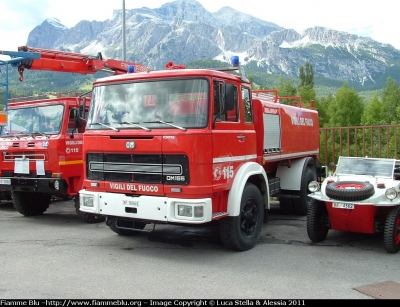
x: 322, y: 106
x: 391, y: 102
x: 307, y: 94
x: 306, y: 75
x: 373, y: 113
x: 347, y: 108
x: 306, y: 86
x: 286, y: 87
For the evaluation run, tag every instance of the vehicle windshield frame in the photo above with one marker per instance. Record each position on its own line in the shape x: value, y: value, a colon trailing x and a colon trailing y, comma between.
x: 34, y: 119
x: 376, y: 167
x: 174, y: 103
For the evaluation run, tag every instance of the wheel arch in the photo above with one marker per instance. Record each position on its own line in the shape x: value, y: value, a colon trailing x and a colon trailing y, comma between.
x: 248, y: 172
x: 291, y: 177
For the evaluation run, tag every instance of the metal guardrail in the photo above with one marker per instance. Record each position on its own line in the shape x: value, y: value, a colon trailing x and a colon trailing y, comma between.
x: 359, y: 141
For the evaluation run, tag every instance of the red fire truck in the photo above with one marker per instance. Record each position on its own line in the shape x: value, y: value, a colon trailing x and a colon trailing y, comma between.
x: 193, y: 146
x: 41, y: 144
x: 42, y: 152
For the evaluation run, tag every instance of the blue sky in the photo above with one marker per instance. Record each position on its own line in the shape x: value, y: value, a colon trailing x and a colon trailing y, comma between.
x: 376, y: 19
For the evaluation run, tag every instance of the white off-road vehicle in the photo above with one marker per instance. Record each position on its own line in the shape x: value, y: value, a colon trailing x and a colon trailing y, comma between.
x: 362, y: 195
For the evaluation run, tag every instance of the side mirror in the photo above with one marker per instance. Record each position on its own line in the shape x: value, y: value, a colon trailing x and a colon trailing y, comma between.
x: 229, y: 98
x: 81, y: 109
x: 77, y: 118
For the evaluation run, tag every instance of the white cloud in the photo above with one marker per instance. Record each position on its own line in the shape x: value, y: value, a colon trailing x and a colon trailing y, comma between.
x: 17, y: 15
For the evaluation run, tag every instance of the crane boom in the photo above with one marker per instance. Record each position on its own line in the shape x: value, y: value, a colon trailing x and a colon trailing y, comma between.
x: 79, y: 63
x: 63, y: 61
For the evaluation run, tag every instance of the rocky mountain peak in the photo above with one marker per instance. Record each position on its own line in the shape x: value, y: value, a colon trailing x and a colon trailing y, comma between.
x: 182, y: 31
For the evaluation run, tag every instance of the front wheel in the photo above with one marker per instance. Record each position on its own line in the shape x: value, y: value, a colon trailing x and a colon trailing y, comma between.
x: 317, y: 221
x: 30, y: 203
x: 241, y: 232
x: 391, y: 234
x: 89, y: 218
x: 301, y: 208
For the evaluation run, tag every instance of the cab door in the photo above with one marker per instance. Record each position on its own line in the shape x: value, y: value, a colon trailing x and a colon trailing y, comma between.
x: 245, y: 104
x: 228, y: 138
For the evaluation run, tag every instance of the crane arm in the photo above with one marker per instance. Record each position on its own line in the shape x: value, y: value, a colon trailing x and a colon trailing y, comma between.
x: 63, y: 61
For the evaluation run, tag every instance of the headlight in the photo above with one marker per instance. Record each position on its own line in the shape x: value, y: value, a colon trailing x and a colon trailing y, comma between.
x: 391, y: 193
x: 185, y: 210
x: 87, y: 201
x: 57, y: 185
x: 313, y: 186
x: 190, y: 211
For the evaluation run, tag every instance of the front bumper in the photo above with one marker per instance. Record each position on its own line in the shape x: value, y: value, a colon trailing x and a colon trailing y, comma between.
x: 146, y: 208
x: 42, y: 185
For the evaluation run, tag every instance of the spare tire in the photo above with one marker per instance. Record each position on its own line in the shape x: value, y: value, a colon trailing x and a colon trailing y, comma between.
x: 349, y: 190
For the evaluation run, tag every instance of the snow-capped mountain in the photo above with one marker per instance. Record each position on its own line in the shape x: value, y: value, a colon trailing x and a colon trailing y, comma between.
x: 183, y: 31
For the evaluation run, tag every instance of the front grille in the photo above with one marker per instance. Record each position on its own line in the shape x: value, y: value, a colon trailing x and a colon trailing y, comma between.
x: 158, y: 169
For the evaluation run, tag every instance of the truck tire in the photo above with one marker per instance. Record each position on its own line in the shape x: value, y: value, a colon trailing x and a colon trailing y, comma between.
x: 301, y: 207
x: 113, y: 222
x: 89, y: 218
x: 241, y: 232
x: 391, y: 234
x: 340, y: 190
x: 30, y: 203
x: 317, y: 221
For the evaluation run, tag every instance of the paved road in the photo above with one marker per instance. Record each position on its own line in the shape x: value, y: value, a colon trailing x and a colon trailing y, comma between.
x: 56, y: 255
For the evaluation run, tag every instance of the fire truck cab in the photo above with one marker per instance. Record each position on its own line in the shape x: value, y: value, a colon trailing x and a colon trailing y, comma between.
x: 42, y: 152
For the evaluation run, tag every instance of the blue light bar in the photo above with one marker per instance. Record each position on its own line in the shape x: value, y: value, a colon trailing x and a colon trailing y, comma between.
x: 235, y: 61
x: 131, y: 69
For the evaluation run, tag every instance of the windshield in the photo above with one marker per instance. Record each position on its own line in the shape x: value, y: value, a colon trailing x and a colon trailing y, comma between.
x: 37, y: 119
x: 147, y: 105
x: 365, y: 166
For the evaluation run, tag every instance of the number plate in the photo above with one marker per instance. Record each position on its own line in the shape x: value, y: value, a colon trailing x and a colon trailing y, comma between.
x: 343, y: 205
x: 5, y: 181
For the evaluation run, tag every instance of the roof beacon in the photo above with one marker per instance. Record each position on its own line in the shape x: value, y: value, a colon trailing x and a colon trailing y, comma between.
x: 235, y: 61
x: 236, y: 64
x: 131, y: 69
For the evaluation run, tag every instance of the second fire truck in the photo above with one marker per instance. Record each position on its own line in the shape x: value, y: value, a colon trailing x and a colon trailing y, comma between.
x: 41, y: 144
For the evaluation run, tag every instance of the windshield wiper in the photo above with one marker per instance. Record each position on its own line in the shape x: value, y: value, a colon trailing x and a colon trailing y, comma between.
x: 107, y: 126
x: 166, y: 123
x: 18, y: 135
x: 39, y: 133
x: 134, y: 124
x: 6, y: 135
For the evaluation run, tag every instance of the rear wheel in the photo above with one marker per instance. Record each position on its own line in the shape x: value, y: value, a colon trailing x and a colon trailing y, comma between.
x: 317, y: 221
x: 391, y: 235
x: 30, y: 203
x: 5, y: 195
x: 125, y: 227
x: 89, y: 218
x: 241, y: 232
x: 301, y: 208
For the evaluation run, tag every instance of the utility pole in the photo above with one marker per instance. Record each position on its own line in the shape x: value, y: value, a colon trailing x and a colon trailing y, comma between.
x: 123, y: 32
